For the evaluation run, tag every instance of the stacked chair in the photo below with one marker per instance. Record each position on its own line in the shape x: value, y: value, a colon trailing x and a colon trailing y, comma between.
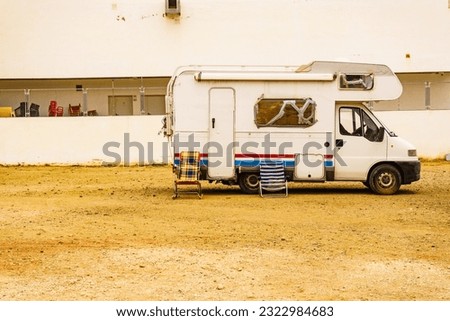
x: 54, y: 109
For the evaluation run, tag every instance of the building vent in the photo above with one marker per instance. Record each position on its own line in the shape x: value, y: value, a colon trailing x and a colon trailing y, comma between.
x: 173, y: 7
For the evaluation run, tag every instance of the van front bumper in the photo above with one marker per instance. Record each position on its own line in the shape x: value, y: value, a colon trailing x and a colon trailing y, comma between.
x: 410, y: 171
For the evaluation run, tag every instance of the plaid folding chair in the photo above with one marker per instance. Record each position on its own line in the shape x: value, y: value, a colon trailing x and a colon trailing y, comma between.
x: 188, y: 173
x: 272, y: 179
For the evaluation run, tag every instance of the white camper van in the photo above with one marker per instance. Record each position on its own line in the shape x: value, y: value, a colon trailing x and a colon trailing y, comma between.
x: 316, y: 118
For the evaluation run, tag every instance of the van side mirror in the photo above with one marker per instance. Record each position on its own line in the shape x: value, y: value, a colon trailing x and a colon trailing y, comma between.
x: 380, y: 135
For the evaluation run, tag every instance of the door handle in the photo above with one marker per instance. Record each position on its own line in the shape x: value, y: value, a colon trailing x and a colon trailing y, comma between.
x: 339, y: 142
x: 213, y: 122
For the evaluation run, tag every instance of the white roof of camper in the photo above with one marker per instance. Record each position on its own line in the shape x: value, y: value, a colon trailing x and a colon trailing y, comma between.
x: 317, y: 67
x: 387, y: 86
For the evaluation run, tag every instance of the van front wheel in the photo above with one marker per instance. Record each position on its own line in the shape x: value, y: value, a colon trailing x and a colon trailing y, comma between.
x: 249, y: 183
x: 385, y: 179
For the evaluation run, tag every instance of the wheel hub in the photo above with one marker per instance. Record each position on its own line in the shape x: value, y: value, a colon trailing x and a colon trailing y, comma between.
x: 252, y: 180
x: 386, y: 179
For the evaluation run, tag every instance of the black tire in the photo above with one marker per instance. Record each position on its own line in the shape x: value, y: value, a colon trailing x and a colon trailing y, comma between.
x: 249, y: 183
x: 385, y: 179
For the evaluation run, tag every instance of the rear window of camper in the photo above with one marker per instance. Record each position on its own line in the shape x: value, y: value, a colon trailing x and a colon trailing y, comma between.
x: 285, y: 112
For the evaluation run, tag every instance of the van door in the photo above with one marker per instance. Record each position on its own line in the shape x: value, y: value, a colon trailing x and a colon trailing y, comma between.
x: 360, y: 142
x: 221, y: 133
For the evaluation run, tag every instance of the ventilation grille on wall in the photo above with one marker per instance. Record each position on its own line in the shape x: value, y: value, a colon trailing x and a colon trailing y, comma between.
x: 173, y: 7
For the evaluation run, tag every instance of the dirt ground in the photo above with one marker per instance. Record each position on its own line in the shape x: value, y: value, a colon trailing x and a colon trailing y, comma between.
x: 98, y: 233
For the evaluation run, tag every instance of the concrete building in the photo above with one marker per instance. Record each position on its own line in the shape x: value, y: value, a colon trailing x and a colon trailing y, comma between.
x: 113, y: 59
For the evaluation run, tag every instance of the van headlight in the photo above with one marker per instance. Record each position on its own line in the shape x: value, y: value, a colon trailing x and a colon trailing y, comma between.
x: 412, y: 152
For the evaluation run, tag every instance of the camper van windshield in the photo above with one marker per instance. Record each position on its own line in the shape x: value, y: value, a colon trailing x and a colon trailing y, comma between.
x: 285, y: 112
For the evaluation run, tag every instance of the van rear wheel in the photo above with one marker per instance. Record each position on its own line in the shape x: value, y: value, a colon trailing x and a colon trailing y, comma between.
x: 385, y: 179
x: 249, y: 183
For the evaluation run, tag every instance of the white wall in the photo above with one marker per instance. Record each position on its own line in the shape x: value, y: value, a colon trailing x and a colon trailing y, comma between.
x: 81, y: 140
x: 120, y: 38
x: 428, y: 130
x: 133, y: 38
x: 84, y: 140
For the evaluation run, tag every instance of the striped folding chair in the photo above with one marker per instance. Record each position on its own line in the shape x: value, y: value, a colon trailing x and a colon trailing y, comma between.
x: 272, y: 179
x: 188, y: 174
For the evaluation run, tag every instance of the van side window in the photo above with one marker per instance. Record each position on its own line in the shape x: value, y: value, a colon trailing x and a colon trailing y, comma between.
x: 356, y: 81
x: 350, y: 121
x: 354, y: 121
x: 285, y: 112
